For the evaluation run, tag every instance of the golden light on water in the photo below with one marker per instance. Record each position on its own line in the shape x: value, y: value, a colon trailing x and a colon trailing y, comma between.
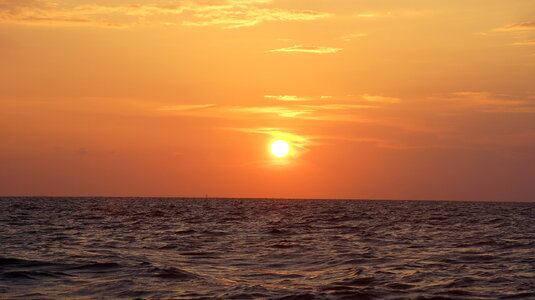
x: 280, y: 148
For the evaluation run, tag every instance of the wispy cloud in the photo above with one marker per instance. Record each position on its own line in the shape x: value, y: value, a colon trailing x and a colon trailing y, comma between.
x: 374, y: 15
x: 308, y: 49
x: 185, y: 107
x: 286, y: 98
x: 47, y: 13
x: 292, y: 98
x: 488, y: 102
x: 523, y: 26
x: 280, y: 111
x: 343, y: 112
x: 429, y: 122
x: 339, y: 106
x: 297, y: 140
x: 386, y: 143
x: 396, y: 13
x: 14, y: 7
x: 351, y: 36
x: 524, y: 43
x: 375, y: 98
x: 244, y: 15
x: 225, y: 13
x: 235, y: 111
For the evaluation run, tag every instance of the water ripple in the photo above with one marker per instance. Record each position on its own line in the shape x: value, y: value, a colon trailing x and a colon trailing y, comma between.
x: 162, y: 248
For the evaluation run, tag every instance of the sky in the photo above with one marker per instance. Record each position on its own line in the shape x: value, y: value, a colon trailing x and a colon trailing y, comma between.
x: 378, y: 99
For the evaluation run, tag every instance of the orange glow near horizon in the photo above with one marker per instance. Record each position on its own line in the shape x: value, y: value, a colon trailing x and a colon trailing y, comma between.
x: 377, y: 99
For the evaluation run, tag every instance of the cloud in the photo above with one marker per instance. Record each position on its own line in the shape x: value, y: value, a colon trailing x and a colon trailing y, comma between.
x: 280, y: 111
x: 291, y: 98
x: 468, y: 94
x: 524, y: 43
x: 523, y: 26
x: 304, y: 142
x: 325, y: 112
x: 229, y: 111
x: 490, y: 103
x: 457, y: 119
x: 372, y: 98
x: 374, y: 15
x: 338, y: 106
x: 15, y: 7
x: 385, y: 143
x: 396, y: 13
x: 225, y: 13
x: 308, y: 49
x: 47, y: 13
x: 300, y: 143
x: 278, y: 133
x: 351, y: 36
x: 185, y: 107
x: 247, y: 15
x: 132, y: 9
x: 286, y: 98
x: 511, y: 109
x: 337, y: 112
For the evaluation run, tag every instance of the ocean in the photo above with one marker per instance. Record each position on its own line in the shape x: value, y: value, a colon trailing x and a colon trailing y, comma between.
x: 175, y: 248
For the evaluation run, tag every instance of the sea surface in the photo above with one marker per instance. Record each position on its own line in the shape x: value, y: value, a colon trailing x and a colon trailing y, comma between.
x: 167, y: 248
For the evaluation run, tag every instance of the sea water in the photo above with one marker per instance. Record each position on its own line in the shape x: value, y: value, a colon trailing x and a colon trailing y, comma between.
x: 171, y: 248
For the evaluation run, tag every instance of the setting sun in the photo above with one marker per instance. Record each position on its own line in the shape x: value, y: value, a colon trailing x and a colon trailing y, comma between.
x: 280, y: 148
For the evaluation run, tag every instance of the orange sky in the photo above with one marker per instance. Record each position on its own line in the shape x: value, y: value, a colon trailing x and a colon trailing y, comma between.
x: 381, y: 99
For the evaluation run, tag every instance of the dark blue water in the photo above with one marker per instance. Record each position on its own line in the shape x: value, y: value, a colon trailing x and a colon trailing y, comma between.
x: 149, y: 248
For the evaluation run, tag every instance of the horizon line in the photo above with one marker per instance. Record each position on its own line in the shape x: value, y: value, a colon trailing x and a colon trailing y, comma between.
x: 273, y: 198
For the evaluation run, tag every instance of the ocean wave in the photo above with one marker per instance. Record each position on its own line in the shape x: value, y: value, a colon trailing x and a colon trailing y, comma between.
x: 163, y: 248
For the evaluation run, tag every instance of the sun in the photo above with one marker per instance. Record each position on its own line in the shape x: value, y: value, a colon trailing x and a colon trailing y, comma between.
x: 280, y: 148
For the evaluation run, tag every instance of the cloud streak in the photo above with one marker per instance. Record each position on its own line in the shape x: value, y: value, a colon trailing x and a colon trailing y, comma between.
x: 292, y: 98
x: 46, y: 13
x: 249, y: 15
x: 289, y: 112
x: 308, y: 49
x: 351, y: 36
x: 326, y: 112
x: 227, y: 14
x: 489, y: 103
x: 300, y: 141
x: 286, y: 98
x: 522, y: 26
x: 185, y: 107
x: 380, y: 99
x: 524, y: 43
x: 374, y: 15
